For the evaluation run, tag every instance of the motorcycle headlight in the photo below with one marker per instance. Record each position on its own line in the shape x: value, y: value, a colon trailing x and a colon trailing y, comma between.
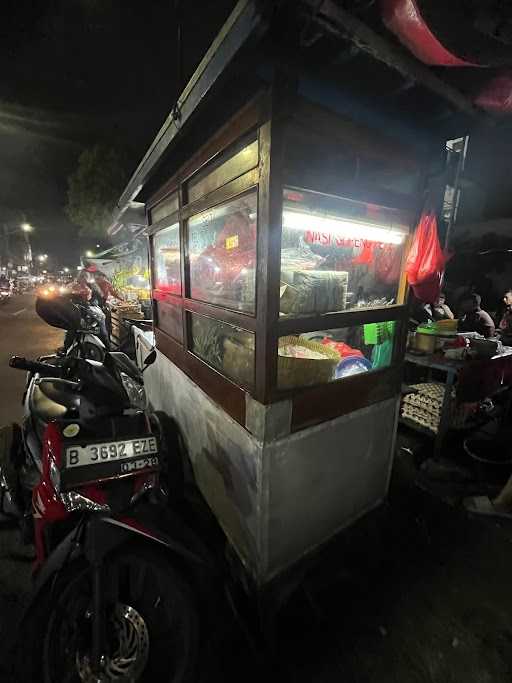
x: 135, y: 391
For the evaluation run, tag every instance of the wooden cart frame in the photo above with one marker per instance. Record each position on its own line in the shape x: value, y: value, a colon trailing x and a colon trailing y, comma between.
x: 268, y: 117
x: 259, y: 452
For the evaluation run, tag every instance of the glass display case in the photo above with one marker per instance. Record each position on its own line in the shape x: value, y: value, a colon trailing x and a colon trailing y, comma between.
x: 243, y: 156
x: 166, y: 207
x: 338, y: 254
x: 225, y: 347
x: 324, y: 356
x: 222, y: 254
x: 165, y: 248
x: 277, y: 281
x: 167, y: 261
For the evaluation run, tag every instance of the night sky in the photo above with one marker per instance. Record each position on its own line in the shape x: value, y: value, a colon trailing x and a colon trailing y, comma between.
x: 78, y: 72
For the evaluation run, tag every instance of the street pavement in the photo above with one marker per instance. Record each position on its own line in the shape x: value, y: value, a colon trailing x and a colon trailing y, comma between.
x: 418, y: 592
x: 22, y: 333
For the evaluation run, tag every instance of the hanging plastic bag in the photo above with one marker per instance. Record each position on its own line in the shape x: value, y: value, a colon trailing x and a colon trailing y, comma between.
x: 366, y: 255
x: 426, y: 261
x: 388, y: 264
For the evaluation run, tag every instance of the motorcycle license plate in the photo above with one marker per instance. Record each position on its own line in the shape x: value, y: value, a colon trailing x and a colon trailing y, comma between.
x: 94, y: 453
x: 98, y: 461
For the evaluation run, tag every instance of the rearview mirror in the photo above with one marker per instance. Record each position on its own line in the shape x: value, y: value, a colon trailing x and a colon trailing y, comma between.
x: 149, y: 359
x: 59, y: 312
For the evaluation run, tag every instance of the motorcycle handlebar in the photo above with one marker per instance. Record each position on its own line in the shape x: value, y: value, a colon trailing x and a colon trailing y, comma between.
x: 20, y: 363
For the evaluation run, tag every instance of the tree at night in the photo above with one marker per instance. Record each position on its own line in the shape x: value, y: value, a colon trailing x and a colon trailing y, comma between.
x: 93, y: 189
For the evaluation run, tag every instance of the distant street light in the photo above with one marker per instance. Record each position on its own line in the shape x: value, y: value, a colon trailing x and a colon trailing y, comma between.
x: 89, y: 253
x: 42, y: 257
x: 98, y: 246
x: 66, y: 270
x: 27, y: 229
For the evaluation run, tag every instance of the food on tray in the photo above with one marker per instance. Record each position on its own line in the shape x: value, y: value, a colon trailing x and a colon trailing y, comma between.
x: 343, y: 349
x: 295, y: 351
x: 302, y: 362
x: 313, y: 291
x: 446, y: 326
x: 424, y: 406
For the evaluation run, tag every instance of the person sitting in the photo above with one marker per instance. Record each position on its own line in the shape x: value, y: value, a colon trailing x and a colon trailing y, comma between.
x: 87, y: 276
x: 440, y: 309
x: 474, y: 319
x: 425, y: 313
x: 505, y: 325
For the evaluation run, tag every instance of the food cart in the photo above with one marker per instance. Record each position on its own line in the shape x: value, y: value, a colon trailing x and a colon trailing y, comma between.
x: 126, y: 265
x: 278, y: 220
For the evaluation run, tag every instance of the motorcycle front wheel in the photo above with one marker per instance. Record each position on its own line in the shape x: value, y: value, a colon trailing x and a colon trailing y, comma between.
x: 151, y: 624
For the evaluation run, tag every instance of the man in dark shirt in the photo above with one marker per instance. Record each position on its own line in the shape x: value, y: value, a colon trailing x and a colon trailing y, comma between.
x: 474, y: 318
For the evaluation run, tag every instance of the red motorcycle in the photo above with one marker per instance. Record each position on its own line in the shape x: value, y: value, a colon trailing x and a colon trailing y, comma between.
x: 116, y: 569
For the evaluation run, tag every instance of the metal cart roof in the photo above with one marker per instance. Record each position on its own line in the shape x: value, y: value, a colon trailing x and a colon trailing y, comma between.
x: 343, y: 61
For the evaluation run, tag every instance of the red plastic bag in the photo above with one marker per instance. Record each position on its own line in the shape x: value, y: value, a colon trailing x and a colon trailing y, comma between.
x: 343, y: 349
x: 388, y: 264
x: 366, y: 256
x: 426, y: 261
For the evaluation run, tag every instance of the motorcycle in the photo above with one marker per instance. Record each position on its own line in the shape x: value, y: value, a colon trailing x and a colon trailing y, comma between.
x: 90, y: 340
x: 116, y: 568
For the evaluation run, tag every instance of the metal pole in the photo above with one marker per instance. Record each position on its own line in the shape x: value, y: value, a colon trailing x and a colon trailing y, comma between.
x: 28, y: 255
x: 6, y: 242
x: 456, y: 193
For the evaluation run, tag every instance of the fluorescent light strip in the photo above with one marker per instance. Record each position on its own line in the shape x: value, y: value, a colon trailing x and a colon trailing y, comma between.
x: 298, y: 220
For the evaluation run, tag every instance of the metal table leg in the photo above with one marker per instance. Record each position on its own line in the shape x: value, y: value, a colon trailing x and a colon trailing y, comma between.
x: 444, y: 422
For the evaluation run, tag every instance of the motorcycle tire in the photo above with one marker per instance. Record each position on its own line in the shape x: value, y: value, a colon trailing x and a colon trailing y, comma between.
x: 152, y: 623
